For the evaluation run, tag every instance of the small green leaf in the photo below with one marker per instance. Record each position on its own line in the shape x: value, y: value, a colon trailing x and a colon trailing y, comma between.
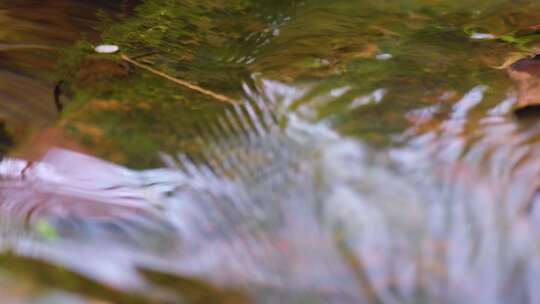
x: 46, y: 230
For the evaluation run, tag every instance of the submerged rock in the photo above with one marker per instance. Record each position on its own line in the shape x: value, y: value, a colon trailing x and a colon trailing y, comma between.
x: 99, y: 71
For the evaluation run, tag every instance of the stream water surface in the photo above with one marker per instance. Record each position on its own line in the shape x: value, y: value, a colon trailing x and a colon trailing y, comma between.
x: 373, y: 155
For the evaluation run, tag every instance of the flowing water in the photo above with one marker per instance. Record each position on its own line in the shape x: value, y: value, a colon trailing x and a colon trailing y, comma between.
x: 373, y: 156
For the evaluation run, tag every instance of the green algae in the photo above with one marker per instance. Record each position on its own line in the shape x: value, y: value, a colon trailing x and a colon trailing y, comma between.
x: 190, y: 41
x: 220, y: 45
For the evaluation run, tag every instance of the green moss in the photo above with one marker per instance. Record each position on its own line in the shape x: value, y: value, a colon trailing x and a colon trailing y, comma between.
x: 219, y: 45
x: 71, y: 60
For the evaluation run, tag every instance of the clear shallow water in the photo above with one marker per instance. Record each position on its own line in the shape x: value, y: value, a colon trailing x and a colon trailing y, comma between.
x: 416, y: 185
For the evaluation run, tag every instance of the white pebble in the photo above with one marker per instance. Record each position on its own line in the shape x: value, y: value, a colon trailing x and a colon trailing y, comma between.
x: 107, y: 48
x: 483, y: 36
x: 384, y: 56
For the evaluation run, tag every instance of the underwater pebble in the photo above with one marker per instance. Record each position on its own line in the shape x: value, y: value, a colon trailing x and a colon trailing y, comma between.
x: 483, y: 36
x: 107, y: 48
x: 384, y: 56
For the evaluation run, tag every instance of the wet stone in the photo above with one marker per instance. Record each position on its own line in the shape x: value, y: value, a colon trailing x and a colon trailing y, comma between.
x: 530, y: 66
x: 526, y: 75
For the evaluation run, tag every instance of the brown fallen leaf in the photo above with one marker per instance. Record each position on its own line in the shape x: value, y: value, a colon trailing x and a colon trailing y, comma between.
x: 368, y: 51
x: 526, y: 74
